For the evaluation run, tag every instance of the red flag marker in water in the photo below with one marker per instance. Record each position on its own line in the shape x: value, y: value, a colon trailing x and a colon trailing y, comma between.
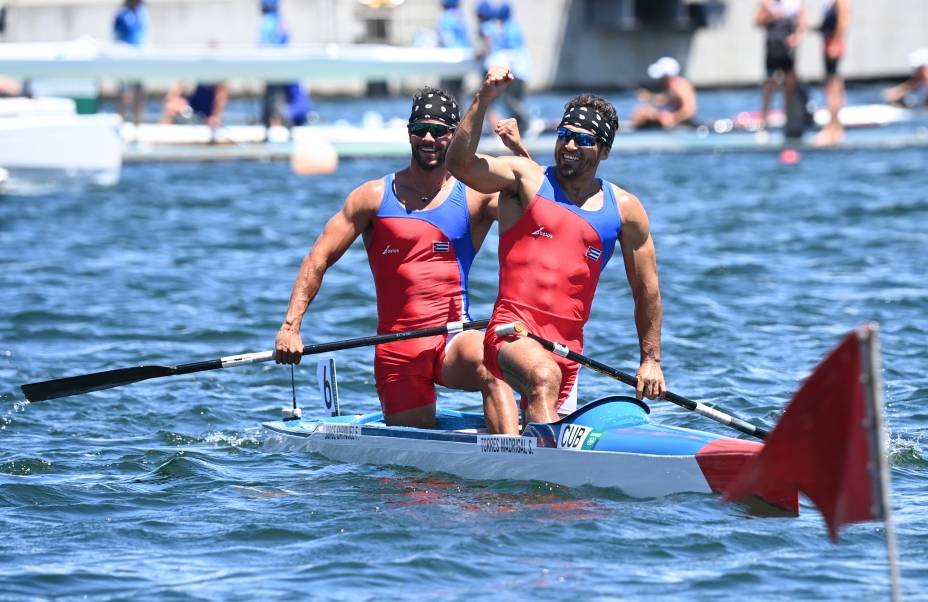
x: 830, y: 442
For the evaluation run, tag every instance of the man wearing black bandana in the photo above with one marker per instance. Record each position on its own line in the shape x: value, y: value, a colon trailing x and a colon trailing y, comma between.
x: 421, y: 229
x: 558, y: 228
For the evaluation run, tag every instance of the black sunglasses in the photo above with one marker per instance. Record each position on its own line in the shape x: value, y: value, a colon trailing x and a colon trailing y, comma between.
x: 579, y: 138
x: 437, y: 130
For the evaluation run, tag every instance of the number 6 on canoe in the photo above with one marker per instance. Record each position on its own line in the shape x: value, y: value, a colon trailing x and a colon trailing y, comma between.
x: 75, y: 385
x: 521, y: 330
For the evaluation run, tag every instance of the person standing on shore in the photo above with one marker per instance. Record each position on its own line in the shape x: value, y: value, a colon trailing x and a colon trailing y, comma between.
x: 131, y: 27
x: 452, y: 33
x: 785, y: 24
x: 284, y: 104
x: 513, y: 53
x: 834, y: 31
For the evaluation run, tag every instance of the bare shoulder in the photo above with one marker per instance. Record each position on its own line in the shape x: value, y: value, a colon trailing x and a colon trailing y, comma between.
x: 631, y: 211
x: 365, y: 197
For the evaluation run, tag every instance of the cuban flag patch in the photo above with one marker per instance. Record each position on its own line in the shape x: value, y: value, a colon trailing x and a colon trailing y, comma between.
x: 441, y: 247
x: 593, y: 253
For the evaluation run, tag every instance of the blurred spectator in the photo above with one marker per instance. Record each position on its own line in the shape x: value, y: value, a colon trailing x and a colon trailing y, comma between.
x: 207, y: 102
x: 131, y: 27
x: 490, y: 32
x: 913, y: 92
x: 510, y: 51
x: 785, y: 24
x: 834, y: 29
x: 675, y: 105
x: 284, y: 104
x: 452, y: 33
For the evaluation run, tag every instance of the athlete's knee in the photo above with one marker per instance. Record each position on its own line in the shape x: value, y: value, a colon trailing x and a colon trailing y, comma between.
x: 545, y: 376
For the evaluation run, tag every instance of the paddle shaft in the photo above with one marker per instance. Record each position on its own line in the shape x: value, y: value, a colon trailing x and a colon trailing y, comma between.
x: 75, y: 385
x: 694, y: 406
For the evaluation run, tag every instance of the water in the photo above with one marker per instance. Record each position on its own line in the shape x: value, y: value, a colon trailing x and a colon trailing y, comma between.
x: 164, y: 490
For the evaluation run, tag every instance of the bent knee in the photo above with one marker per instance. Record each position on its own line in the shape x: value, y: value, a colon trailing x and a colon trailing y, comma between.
x: 546, y: 375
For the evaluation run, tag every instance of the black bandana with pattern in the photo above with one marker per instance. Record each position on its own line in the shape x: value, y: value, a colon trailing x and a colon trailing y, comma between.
x: 435, y: 105
x: 589, y: 119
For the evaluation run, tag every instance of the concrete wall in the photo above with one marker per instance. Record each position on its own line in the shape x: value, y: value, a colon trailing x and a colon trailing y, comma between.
x: 569, y: 41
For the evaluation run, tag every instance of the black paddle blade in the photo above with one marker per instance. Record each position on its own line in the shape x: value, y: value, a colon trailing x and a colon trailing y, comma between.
x: 75, y: 385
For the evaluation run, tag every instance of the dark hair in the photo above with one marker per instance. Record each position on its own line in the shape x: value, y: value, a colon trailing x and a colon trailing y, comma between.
x: 598, y: 104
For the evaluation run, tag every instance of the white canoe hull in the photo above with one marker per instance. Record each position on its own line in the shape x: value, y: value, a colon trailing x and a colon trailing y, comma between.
x: 636, y: 475
x: 608, y: 443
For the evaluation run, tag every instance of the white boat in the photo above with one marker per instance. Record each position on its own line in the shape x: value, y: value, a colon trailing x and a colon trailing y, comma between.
x: 47, y: 135
x: 607, y: 443
x: 851, y: 116
x: 89, y: 58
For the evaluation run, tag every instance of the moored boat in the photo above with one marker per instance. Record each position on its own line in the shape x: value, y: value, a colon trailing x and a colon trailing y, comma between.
x: 47, y: 135
x: 608, y: 443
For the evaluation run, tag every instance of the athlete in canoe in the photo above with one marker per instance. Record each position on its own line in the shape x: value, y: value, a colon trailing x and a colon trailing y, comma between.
x: 422, y: 229
x: 558, y: 228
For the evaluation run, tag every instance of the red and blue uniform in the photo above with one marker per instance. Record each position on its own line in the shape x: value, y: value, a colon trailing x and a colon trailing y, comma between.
x: 549, y: 266
x: 420, y: 261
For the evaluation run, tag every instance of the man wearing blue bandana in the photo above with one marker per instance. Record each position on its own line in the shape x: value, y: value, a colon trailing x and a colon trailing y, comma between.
x: 558, y: 227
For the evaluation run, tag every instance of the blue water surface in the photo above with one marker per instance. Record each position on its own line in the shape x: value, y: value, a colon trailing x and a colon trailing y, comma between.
x: 164, y: 490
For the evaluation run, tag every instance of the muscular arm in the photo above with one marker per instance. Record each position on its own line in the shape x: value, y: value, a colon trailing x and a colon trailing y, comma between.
x: 480, y: 172
x: 508, y: 132
x: 340, y: 231
x: 641, y: 270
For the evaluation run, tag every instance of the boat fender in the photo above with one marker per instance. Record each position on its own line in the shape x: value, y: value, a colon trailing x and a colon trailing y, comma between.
x: 312, y: 153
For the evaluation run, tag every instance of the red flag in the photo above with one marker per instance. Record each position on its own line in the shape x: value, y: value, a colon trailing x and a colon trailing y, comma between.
x: 829, y: 442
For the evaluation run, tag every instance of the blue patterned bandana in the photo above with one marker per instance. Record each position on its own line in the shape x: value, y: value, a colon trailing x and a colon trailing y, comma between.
x: 589, y: 119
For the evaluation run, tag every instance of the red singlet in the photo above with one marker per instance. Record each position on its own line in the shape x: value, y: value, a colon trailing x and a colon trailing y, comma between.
x: 420, y: 261
x: 549, y: 266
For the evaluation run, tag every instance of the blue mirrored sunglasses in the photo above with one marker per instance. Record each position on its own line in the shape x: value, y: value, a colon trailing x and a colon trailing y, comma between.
x: 579, y: 138
x: 437, y: 130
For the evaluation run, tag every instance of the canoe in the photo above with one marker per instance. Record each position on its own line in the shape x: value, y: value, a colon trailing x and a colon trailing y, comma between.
x: 608, y: 443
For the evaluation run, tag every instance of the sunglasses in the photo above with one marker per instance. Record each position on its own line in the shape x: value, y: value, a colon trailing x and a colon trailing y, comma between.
x: 437, y: 130
x: 579, y: 138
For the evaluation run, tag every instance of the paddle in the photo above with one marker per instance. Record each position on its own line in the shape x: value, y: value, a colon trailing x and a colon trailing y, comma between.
x: 519, y: 329
x: 75, y: 385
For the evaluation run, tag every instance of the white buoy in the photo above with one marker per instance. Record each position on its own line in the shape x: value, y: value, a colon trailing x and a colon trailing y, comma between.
x: 312, y: 153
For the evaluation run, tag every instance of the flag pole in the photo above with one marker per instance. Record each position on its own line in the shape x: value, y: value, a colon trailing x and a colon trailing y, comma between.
x: 868, y: 335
